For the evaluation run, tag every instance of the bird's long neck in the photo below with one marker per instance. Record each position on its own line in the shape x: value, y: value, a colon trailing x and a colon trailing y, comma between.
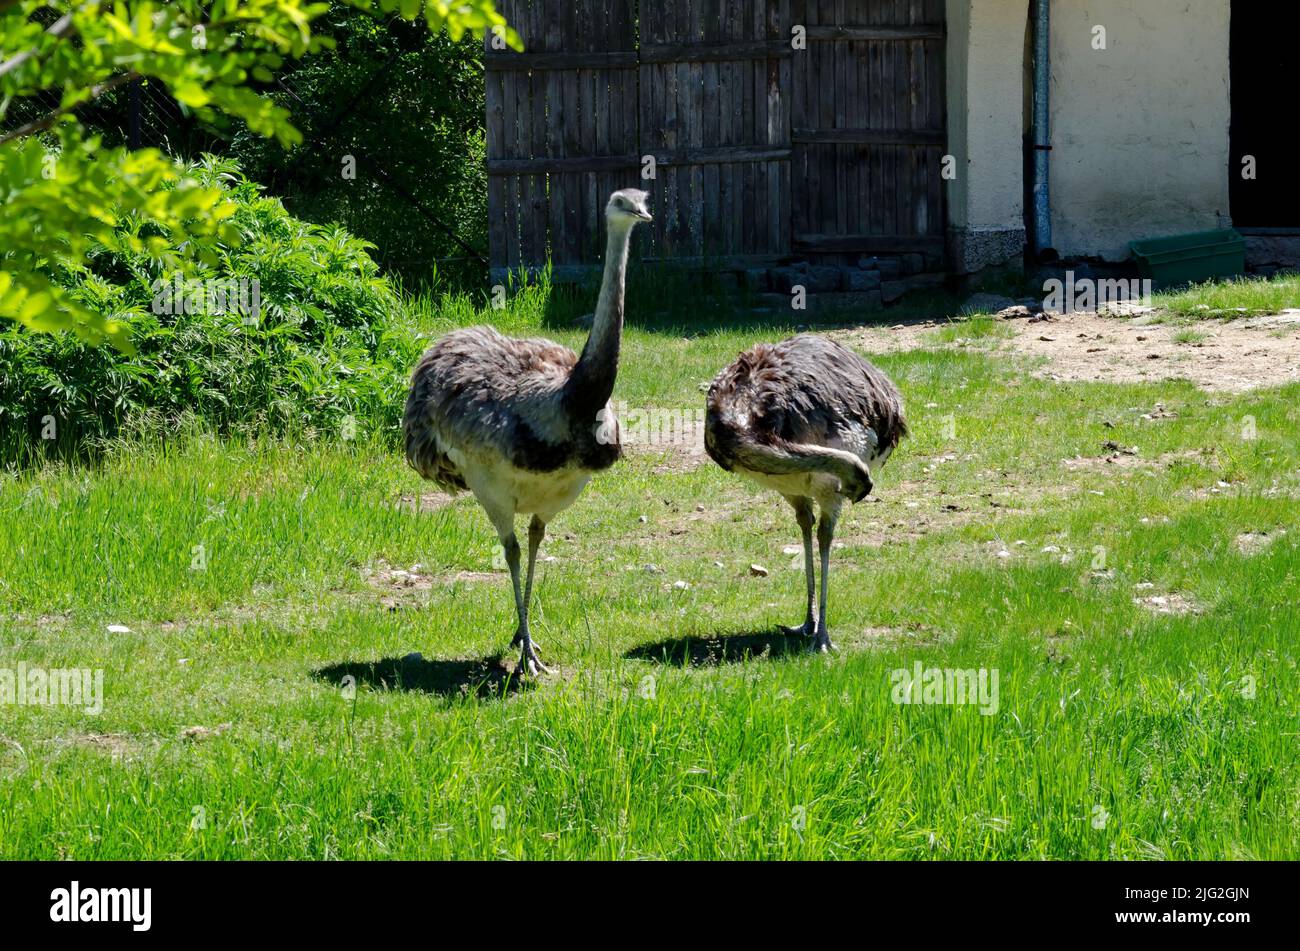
x: 592, y: 382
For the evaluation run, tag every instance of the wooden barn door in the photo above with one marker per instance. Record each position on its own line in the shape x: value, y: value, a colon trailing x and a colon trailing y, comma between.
x: 714, y: 81
x: 761, y: 148
x: 561, y: 129
x: 868, y: 127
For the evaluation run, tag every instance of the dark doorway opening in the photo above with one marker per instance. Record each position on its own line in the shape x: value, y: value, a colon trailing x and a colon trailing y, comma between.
x: 1263, y: 88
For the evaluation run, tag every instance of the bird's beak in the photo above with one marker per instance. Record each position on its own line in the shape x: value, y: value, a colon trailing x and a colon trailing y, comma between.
x: 644, y: 215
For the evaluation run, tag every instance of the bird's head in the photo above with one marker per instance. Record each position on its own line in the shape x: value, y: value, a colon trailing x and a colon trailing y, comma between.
x: 858, y: 486
x: 628, y: 205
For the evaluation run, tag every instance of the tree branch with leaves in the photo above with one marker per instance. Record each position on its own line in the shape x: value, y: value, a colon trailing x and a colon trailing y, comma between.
x: 62, y: 193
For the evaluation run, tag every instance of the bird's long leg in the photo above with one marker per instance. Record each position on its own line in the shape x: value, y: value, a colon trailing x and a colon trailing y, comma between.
x: 803, y: 513
x: 528, y: 660
x: 536, y: 532
x: 825, y: 535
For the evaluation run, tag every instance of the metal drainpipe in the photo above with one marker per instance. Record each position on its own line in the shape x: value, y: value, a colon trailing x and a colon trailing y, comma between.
x: 1042, y: 131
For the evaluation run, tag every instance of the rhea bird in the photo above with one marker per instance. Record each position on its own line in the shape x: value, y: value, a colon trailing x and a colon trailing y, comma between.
x: 524, y: 424
x: 810, y: 419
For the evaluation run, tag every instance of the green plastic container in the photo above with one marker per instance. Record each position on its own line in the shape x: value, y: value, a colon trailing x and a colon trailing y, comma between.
x: 1190, y: 258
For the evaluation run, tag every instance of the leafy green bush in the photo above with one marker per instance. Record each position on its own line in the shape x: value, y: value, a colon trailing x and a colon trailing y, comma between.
x: 328, y: 349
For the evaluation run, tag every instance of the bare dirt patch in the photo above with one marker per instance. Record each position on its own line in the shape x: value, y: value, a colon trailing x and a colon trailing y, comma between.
x: 1252, y: 543
x: 120, y: 746
x: 1121, y: 457
x: 1171, y: 603
x: 423, y: 501
x: 1233, y: 356
x: 203, y: 732
x: 403, y: 587
x: 43, y: 623
x: 670, y: 458
x: 1114, y: 460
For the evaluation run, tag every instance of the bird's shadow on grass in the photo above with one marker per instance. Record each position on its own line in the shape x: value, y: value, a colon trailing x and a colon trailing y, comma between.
x: 483, y: 679
x: 715, y: 649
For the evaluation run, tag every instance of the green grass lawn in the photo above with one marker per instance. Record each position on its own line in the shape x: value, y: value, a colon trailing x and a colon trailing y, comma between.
x: 1242, y: 297
x: 1140, y: 606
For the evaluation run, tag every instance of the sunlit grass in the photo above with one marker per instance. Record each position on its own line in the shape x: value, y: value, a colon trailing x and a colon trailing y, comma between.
x: 975, y: 327
x: 1244, y: 297
x: 250, y: 575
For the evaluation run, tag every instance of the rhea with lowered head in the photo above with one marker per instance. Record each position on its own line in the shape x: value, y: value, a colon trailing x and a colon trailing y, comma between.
x: 524, y: 424
x: 810, y: 419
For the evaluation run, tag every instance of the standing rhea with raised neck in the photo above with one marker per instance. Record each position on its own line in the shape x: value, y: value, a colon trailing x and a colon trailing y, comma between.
x: 810, y: 419
x: 524, y: 424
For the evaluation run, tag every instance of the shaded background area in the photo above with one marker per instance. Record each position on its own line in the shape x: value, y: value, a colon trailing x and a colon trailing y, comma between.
x: 1263, y: 72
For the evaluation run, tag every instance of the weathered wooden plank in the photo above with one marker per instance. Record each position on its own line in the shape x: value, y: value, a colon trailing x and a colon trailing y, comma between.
x: 573, y: 181
x: 738, y: 100
x: 541, y: 197
x: 561, y: 106
x: 628, y: 87
x: 938, y: 118
x: 538, y: 61
x: 605, y: 105
x: 869, y: 136
x: 586, y: 144
x: 782, y: 98
x: 828, y: 203
x: 510, y: 148
x: 626, y: 122
x: 739, y: 223
x: 495, y: 126
x: 718, y: 52
x: 539, y: 36
x: 585, y: 134
x: 836, y: 31
x: 676, y: 78
x: 754, y: 130
x: 688, y: 118
x: 810, y: 200
x: 651, y: 127
x: 729, y: 154
x: 529, y: 225
x: 919, y: 188
x: 749, y: 230
x: 567, y: 164
x: 550, y: 28
x: 840, y: 52
x: 695, y: 129
x: 857, y: 119
x: 891, y: 120
x: 780, y: 79
x: 739, y: 204
x: 715, y: 129
x: 906, y: 152
x: 876, y: 154
x: 679, y: 79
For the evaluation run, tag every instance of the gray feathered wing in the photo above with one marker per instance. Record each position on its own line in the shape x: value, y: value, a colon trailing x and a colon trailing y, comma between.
x: 484, y: 394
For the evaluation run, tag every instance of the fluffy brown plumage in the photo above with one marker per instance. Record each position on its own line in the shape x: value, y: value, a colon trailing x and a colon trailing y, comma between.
x: 810, y: 419
x: 485, y: 394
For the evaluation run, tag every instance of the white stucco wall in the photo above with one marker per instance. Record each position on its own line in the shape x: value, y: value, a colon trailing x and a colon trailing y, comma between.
x: 1140, y: 129
x: 985, y: 119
